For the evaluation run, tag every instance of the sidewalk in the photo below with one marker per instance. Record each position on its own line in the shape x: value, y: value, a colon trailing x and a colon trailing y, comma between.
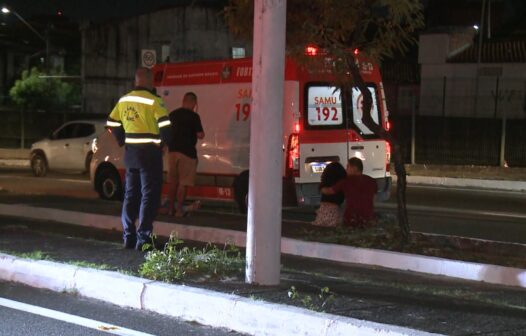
x: 395, y: 298
x: 474, y: 177
x: 14, y: 158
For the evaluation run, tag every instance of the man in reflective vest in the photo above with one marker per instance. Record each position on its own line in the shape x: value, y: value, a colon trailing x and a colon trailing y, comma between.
x: 140, y: 122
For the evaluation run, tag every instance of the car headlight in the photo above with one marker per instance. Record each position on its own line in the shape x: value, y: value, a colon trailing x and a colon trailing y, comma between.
x: 94, y: 147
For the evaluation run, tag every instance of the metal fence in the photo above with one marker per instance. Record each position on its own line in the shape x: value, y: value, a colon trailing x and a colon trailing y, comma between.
x: 463, y: 122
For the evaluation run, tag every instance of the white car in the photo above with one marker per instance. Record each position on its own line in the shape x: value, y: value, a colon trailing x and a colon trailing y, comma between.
x: 66, y: 149
x: 107, y: 167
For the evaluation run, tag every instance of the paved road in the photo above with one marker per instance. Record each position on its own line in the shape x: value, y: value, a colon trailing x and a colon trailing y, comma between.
x: 29, y: 311
x: 430, y: 303
x: 465, y: 212
x: 60, y: 184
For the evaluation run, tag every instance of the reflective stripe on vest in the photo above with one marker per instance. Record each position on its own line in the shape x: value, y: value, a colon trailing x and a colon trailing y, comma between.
x: 142, y: 140
x: 136, y: 99
x: 113, y: 123
x: 164, y: 123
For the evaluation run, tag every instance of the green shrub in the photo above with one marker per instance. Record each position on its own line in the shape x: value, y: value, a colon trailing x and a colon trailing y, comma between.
x: 177, y: 262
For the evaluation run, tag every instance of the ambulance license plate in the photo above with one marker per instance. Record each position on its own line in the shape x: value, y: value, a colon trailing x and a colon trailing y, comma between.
x: 318, y: 167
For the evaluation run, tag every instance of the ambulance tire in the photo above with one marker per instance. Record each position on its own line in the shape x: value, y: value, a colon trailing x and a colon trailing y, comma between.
x: 240, y: 187
x: 108, y: 184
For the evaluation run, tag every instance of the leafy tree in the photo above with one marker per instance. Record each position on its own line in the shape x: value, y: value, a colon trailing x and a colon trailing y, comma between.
x: 377, y: 28
x: 33, y: 91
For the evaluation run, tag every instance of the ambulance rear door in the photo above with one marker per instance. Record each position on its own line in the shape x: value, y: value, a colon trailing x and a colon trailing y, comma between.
x: 330, y: 135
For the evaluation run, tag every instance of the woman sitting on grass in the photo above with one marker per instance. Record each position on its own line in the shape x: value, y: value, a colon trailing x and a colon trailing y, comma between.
x: 329, y: 213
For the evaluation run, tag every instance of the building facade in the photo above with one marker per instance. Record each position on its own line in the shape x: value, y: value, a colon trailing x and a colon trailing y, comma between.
x: 459, y: 79
x: 112, y: 51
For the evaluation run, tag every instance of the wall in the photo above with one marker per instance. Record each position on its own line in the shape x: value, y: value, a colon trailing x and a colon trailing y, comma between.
x: 111, y: 51
x: 485, y: 90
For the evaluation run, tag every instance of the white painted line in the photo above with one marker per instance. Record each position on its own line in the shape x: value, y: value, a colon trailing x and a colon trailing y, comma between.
x: 73, y: 319
x: 494, y: 274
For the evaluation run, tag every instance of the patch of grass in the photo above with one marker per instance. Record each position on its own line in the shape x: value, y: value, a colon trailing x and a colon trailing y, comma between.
x: 318, y: 302
x: 177, y: 262
x: 82, y: 263
x: 34, y: 255
x: 385, y: 234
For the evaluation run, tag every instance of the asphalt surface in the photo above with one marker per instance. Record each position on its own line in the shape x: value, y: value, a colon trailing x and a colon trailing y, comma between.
x: 492, y: 215
x: 15, y: 322
x: 399, y: 298
x: 429, y: 303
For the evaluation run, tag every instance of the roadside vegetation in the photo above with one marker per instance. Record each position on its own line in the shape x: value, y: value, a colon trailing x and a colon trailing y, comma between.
x: 177, y: 262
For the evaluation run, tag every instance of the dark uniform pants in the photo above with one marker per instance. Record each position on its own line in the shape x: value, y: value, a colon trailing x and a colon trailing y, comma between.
x: 142, y: 199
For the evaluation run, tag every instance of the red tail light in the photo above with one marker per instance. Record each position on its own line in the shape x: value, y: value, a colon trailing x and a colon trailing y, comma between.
x: 387, y: 125
x: 387, y: 157
x: 293, y: 156
x: 311, y: 50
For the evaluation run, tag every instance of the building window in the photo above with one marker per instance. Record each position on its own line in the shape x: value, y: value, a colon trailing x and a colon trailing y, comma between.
x: 238, y: 52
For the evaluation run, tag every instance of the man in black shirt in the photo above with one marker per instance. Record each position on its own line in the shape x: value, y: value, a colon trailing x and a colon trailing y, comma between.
x: 182, y: 158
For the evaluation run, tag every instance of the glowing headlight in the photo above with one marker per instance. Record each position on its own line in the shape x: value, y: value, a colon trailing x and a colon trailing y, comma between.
x: 94, y: 147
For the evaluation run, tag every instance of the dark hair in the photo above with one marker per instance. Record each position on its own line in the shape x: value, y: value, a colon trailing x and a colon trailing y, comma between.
x: 333, y: 173
x: 357, y: 163
x: 191, y: 95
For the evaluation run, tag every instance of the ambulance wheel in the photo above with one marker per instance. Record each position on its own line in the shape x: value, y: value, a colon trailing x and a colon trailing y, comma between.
x: 240, y: 186
x: 39, y: 164
x: 108, y: 184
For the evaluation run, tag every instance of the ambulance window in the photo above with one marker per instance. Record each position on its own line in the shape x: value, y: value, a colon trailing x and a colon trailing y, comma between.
x: 357, y: 103
x: 324, y: 106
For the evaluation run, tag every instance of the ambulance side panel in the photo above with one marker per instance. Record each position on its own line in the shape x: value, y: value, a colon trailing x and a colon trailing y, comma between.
x: 225, y: 114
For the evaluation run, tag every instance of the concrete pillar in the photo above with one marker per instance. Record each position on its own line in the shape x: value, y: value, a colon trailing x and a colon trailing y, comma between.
x: 266, y: 154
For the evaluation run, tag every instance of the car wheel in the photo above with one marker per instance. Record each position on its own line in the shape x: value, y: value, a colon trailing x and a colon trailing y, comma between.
x: 240, y: 186
x: 39, y: 164
x: 108, y: 184
x: 87, y: 163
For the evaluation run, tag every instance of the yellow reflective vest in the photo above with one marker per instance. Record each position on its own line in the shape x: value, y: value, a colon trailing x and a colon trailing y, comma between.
x: 142, y: 116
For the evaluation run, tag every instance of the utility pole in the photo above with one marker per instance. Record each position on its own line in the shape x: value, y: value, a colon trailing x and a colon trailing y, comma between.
x: 263, y: 253
x: 479, y: 55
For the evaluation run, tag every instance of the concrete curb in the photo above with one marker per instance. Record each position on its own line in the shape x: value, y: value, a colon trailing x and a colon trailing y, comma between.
x: 14, y: 153
x: 493, y: 274
x: 519, y: 186
x: 14, y: 163
x: 189, y: 303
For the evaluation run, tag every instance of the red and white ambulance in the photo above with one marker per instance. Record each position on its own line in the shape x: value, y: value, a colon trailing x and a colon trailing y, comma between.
x: 317, y: 130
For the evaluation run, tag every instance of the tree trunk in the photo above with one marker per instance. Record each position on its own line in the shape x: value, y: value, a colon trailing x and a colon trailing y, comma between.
x: 379, y: 131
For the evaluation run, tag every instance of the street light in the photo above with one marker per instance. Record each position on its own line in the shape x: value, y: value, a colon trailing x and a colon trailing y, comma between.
x: 6, y: 10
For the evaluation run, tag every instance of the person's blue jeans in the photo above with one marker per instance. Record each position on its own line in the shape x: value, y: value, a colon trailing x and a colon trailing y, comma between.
x: 142, y: 199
